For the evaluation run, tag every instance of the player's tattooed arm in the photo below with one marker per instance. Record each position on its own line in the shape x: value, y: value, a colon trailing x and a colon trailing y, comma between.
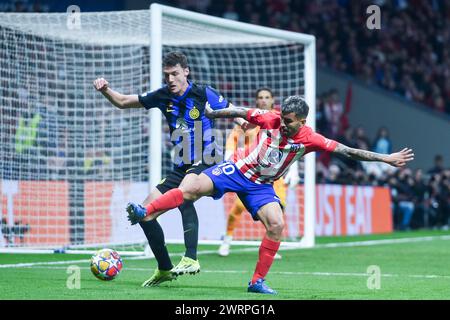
x: 230, y: 112
x: 396, y: 159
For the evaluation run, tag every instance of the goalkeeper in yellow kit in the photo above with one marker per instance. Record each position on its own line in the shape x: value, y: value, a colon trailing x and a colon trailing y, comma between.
x: 264, y: 100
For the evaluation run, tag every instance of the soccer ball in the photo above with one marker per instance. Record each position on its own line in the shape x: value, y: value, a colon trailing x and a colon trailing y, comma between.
x: 106, y: 264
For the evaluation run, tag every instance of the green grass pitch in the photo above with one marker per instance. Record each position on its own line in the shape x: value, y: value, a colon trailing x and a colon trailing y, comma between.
x: 417, y: 267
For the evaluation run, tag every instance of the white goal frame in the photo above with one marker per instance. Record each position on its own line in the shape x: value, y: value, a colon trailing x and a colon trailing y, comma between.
x: 309, y: 42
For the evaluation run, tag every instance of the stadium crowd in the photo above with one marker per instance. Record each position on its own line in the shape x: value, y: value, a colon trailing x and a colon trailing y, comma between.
x: 421, y: 198
x: 408, y: 56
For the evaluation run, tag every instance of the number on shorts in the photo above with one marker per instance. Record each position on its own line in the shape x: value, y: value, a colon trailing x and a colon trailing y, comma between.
x: 227, y: 168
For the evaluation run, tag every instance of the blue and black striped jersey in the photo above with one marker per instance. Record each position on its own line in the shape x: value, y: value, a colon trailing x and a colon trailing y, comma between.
x: 185, y: 117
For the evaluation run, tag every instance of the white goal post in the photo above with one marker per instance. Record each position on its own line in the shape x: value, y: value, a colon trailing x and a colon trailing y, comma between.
x: 71, y: 161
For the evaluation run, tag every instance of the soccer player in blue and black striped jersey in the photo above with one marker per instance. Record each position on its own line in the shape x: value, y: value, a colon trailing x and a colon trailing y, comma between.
x: 182, y: 102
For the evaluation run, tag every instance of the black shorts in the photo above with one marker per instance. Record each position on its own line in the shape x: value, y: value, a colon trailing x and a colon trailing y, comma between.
x: 175, y: 177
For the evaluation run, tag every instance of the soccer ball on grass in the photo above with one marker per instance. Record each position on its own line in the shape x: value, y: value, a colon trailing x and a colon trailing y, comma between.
x: 106, y: 264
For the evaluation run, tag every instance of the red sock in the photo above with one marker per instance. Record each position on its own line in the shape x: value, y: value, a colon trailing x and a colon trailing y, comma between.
x: 267, y: 252
x: 169, y: 200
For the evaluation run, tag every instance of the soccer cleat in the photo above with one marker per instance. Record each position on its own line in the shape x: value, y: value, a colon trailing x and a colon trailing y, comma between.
x: 260, y: 287
x: 186, y: 265
x: 136, y: 212
x: 224, y: 249
x: 159, y: 277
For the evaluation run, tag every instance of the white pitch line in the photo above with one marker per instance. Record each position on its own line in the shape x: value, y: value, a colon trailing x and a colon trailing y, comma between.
x: 43, y: 263
x: 316, y: 273
x: 379, y: 242
x: 203, y: 252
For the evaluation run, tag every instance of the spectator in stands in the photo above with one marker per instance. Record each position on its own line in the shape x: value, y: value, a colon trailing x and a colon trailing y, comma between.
x: 25, y: 139
x: 230, y: 11
x: 405, y: 196
x: 333, y: 109
x: 419, y: 190
x: 438, y: 213
x: 362, y: 142
x: 438, y: 165
x: 321, y: 120
x: 382, y: 143
x: 443, y: 200
x: 407, y: 57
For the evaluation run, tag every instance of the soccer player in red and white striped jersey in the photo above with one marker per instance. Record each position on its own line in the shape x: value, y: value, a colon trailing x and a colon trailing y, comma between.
x: 283, y: 139
x: 270, y: 157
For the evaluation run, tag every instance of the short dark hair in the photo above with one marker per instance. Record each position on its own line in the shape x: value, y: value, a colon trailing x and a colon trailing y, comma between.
x: 263, y: 89
x: 173, y: 58
x: 296, y: 104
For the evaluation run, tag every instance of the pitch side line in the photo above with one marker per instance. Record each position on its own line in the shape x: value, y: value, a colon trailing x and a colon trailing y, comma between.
x: 380, y: 242
x: 319, y: 246
x: 320, y: 274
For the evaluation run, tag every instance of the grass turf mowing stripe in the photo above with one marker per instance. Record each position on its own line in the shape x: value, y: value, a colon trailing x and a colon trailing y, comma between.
x: 203, y: 252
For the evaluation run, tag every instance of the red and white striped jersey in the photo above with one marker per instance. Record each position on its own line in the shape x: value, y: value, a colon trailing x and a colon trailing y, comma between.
x: 272, y: 153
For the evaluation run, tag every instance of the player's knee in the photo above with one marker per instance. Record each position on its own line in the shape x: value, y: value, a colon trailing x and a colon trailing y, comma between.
x: 190, y: 192
x: 276, y: 227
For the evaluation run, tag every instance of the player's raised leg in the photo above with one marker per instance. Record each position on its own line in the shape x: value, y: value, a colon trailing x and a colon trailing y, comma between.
x: 271, y: 216
x: 192, y: 189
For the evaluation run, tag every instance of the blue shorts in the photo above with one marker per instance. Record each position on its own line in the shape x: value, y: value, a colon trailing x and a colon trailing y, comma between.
x: 226, y: 177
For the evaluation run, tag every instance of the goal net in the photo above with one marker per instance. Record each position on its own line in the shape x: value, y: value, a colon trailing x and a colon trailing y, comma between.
x: 70, y: 161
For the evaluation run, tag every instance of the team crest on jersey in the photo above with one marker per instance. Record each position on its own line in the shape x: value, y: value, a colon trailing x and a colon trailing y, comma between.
x: 295, y: 147
x: 275, y: 156
x: 194, y: 113
x: 217, y: 171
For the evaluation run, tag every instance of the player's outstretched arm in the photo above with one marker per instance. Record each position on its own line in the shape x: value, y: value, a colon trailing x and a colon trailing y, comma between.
x: 121, y: 101
x: 396, y: 159
x: 230, y: 112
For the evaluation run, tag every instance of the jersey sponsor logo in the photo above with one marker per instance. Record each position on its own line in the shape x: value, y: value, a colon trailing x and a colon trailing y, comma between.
x: 170, y: 107
x: 194, y: 113
x: 194, y: 166
x: 217, y: 171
